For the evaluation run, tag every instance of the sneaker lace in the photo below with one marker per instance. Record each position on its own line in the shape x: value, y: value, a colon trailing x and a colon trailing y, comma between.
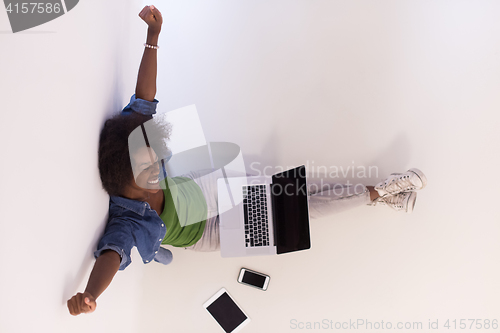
x: 395, y: 201
x: 399, y: 184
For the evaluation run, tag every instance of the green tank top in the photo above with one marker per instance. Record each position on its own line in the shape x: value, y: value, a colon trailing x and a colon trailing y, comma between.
x: 184, y: 213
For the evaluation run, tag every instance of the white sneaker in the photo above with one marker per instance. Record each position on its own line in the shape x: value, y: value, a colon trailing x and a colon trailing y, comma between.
x: 404, y: 201
x: 412, y: 180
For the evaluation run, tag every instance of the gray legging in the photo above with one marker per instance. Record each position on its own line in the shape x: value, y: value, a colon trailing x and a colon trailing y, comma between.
x: 325, y: 198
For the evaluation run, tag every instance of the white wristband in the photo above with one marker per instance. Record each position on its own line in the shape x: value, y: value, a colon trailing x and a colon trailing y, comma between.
x: 156, y: 47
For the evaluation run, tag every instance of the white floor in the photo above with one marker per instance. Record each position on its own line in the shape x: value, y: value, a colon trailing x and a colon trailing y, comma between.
x: 387, y: 84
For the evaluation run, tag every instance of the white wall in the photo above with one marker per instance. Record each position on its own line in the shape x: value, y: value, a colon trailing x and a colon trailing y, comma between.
x: 389, y: 84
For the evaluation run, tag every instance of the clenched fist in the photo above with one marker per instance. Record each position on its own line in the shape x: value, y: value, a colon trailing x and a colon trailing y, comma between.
x: 152, y: 16
x: 81, y: 303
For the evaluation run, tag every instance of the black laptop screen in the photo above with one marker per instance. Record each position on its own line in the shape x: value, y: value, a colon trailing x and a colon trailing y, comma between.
x: 290, y: 211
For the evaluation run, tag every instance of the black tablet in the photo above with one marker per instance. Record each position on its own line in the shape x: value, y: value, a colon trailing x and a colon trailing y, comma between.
x: 226, y: 312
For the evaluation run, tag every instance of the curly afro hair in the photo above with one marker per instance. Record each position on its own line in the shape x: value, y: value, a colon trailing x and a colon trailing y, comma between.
x: 115, y: 169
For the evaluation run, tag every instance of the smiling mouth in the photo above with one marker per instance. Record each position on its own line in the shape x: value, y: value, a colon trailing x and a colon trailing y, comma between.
x: 152, y: 182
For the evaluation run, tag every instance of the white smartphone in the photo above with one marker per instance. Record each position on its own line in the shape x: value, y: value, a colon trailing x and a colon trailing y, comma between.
x: 253, y: 279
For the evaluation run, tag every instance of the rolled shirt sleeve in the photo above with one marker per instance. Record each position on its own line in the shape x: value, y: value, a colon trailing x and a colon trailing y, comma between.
x: 117, y: 249
x: 141, y: 106
x: 164, y: 256
x: 146, y: 108
x: 117, y: 237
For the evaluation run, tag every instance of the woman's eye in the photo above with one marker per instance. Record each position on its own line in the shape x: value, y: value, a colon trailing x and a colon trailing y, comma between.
x: 150, y: 166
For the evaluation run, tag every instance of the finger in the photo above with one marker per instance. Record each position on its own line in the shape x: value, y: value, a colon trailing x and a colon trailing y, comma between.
x: 143, y: 11
x: 74, y: 307
x: 90, y: 303
x: 153, y: 10
x: 85, y: 309
x: 79, y: 301
x: 85, y: 304
x: 156, y: 12
x: 92, y: 306
x: 148, y: 15
x: 70, y: 308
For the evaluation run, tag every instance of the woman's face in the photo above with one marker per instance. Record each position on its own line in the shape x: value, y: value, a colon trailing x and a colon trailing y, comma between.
x: 146, y: 168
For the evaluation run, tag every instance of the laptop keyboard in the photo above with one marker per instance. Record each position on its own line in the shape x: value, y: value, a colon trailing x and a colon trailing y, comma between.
x: 255, y: 212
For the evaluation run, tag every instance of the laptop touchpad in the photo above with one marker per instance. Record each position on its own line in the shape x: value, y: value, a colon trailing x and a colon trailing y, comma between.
x: 230, y: 200
x: 230, y: 219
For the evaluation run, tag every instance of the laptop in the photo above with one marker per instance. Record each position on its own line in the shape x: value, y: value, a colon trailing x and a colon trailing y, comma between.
x: 264, y: 215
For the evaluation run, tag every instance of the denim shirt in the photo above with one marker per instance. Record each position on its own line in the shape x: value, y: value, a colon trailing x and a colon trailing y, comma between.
x: 131, y: 222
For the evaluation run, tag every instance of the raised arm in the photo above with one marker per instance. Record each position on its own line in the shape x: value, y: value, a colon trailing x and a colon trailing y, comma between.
x: 108, y: 262
x: 146, y: 79
x: 104, y: 270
